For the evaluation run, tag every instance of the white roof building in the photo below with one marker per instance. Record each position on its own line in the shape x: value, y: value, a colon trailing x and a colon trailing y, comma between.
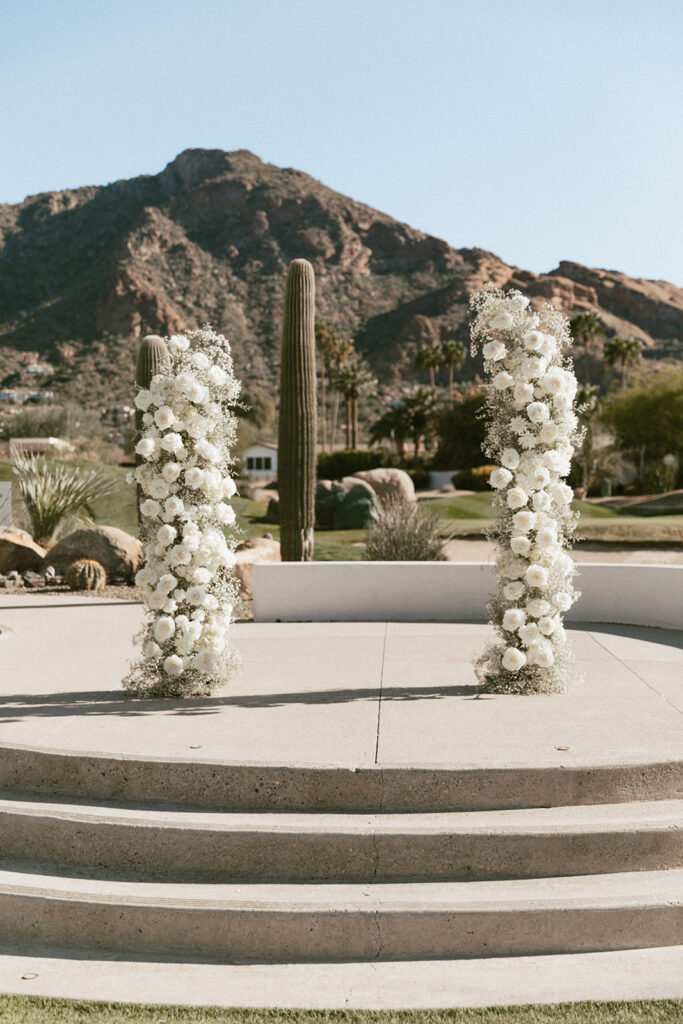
x: 259, y: 461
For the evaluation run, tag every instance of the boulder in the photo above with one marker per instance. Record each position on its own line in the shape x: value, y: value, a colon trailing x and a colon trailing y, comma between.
x: 19, y: 551
x: 355, y: 509
x: 330, y: 495
x: 247, y: 553
x: 119, y: 552
x: 389, y: 484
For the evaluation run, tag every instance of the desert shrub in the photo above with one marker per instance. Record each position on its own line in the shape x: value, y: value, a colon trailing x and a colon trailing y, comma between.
x: 404, y: 533
x: 54, y: 492
x: 420, y: 478
x: 335, y: 465
x: 460, y: 429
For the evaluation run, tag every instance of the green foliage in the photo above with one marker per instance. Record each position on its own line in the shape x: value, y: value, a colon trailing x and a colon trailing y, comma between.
x: 402, y: 532
x: 622, y: 352
x: 647, y: 414
x: 475, y: 479
x: 460, y: 430
x: 54, y: 492
x: 352, y: 380
x: 298, y: 427
x: 348, y: 461
x: 85, y: 574
x: 355, y: 509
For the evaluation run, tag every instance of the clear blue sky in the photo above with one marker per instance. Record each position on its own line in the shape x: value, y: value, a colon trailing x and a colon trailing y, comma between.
x: 539, y: 129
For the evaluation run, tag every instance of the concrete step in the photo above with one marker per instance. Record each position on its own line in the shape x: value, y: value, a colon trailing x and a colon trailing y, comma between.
x: 223, y: 846
x: 655, y: 973
x: 324, y: 922
x: 221, y: 785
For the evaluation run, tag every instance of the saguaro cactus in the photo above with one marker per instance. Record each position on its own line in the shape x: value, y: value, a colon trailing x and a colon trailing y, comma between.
x: 152, y: 357
x: 297, y: 435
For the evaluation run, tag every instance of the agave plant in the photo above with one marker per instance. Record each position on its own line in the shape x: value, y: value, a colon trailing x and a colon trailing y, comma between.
x: 53, y: 492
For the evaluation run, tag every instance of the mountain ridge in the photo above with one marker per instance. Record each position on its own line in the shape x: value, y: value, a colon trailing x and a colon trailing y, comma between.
x: 85, y: 272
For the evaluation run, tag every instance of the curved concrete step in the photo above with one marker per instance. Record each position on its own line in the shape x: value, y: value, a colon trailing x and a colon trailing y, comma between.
x: 655, y: 973
x: 183, y: 845
x: 281, y: 787
x: 331, y: 922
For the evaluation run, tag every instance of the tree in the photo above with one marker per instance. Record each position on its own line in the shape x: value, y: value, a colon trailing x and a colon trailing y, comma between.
x: 421, y: 406
x: 429, y: 358
x: 327, y: 342
x: 647, y: 414
x: 453, y: 354
x: 341, y: 351
x: 623, y: 352
x: 586, y: 328
x: 353, y: 379
x: 394, y: 426
x: 460, y: 430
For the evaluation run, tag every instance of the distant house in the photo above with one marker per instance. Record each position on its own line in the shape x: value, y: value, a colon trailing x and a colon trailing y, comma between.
x: 259, y: 461
x: 39, y: 446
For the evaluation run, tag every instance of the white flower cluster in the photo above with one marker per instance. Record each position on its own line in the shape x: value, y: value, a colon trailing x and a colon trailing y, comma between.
x: 186, y: 487
x: 531, y: 433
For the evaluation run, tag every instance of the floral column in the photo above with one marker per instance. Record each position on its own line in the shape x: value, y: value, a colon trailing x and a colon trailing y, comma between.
x: 531, y: 432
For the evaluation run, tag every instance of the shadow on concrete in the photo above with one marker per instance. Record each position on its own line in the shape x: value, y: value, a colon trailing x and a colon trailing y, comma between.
x: 15, y: 707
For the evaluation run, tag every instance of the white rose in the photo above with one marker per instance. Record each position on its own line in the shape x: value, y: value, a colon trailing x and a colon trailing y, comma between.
x: 171, y: 472
x: 494, y: 351
x: 529, y: 633
x: 549, y: 346
x: 166, y: 534
x: 228, y: 487
x: 181, y: 555
x: 548, y: 433
x: 164, y: 417
x: 516, y: 498
x: 150, y: 508
x: 174, y: 506
x: 178, y: 342
x: 521, y: 545
x: 172, y: 442
x: 143, y: 400
x: 533, y: 367
x: 144, y: 577
x: 195, y: 595
x: 510, y: 458
x: 513, y: 619
x: 502, y: 380
x: 173, y: 665
x: 517, y: 302
x: 164, y: 628
x: 200, y: 360
x: 555, y: 461
x: 205, y: 661
x: 194, y: 477
x: 198, y: 426
x: 224, y: 513
x: 207, y: 450
x: 167, y: 583
x: 500, y: 478
x: 540, y: 478
x: 523, y: 392
x: 562, y: 600
x: 543, y: 655
x: 541, y: 501
x: 537, y: 607
x: 196, y: 392
x: 502, y: 321
x: 156, y: 601
x: 201, y: 575
x: 533, y: 340
x: 538, y: 412
x: 554, y: 380
x: 547, y: 625
x: 217, y: 376
x: 145, y: 447
x: 563, y: 402
x: 513, y: 659
x: 524, y: 521
x: 562, y: 493
x: 536, y: 576
x: 513, y: 591
x: 158, y: 488
x: 151, y: 650
x: 169, y: 606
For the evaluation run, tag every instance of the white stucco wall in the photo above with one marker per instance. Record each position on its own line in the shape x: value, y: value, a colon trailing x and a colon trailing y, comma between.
x: 646, y: 595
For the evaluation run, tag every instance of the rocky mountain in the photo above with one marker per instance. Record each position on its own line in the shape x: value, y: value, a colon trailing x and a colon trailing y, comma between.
x: 85, y: 272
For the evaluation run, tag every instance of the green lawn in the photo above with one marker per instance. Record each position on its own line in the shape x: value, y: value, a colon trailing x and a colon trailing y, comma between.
x: 27, y: 1010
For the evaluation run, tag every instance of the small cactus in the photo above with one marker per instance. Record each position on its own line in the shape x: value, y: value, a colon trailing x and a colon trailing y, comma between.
x: 297, y: 435
x: 85, y: 574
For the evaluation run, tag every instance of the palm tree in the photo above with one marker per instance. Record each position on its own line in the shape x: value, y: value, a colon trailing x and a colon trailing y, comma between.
x: 452, y: 354
x: 342, y: 350
x: 326, y: 342
x: 429, y: 358
x: 353, y: 379
x: 624, y: 352
x: 421, y: 405
x: 394, y: 426
x: 587, y: 327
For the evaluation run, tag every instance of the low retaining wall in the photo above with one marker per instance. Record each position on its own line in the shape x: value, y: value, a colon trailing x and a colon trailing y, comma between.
x: 641, y: 595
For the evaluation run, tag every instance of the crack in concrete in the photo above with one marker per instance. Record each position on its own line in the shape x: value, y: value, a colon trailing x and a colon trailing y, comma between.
x: 635, y: 673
